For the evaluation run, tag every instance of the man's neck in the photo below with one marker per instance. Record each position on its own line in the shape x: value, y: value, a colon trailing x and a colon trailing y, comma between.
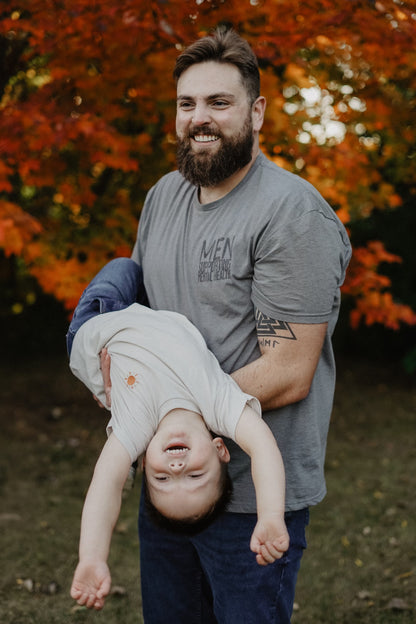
x: 207, y: 195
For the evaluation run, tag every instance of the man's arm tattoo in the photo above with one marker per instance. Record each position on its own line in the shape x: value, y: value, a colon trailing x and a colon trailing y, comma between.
x: 269, y: 331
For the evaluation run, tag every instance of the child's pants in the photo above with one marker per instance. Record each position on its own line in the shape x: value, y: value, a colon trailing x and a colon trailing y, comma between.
x: 115, y: 287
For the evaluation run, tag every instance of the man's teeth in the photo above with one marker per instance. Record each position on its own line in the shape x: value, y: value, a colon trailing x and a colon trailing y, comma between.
x: 205, y: 138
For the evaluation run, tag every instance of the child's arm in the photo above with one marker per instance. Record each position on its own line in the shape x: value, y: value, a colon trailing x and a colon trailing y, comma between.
x: 270, y: 538
x: 92, y: 580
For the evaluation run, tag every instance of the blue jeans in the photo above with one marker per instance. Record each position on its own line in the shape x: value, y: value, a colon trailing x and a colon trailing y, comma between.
x: 115, y: 287
x: 213, y: 577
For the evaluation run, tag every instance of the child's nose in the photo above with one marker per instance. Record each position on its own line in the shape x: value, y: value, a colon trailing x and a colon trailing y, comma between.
x: 176, y: 465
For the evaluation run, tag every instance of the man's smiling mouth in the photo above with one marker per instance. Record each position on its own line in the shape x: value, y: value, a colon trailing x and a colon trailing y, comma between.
x: 205, y: 138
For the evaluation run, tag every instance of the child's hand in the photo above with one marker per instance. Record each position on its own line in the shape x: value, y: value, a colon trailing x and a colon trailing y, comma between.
x: 91, y: 584
x: 270, y: 539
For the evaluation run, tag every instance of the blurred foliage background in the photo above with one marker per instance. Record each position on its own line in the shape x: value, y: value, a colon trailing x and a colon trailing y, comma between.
x: 87, y: 126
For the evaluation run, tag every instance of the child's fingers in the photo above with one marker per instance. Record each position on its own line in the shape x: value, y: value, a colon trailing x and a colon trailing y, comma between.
x: 261, y: 561
x: 268, y: 553
x: 104, y: 589
x: 83, y: 599
x: 98, y: 604
x: 75, y: 593
x: 80, y: 595
x: 87, y: 598
x: 255, y: 544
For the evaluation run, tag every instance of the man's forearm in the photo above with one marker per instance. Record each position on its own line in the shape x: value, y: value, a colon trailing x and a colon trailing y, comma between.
x: 274, y: 386
x: 284, y: 371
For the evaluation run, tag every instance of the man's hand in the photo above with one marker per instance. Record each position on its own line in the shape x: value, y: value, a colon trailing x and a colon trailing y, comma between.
x: 105, y: 361
x: 91, y: 584
x: 270, y: 539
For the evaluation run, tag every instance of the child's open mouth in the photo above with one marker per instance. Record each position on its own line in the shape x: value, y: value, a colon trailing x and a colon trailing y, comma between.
x: 177, y: 449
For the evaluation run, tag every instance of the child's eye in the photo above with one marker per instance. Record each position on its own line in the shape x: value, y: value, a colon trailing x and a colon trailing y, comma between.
x: 161, y: 478
x: 195, y: 476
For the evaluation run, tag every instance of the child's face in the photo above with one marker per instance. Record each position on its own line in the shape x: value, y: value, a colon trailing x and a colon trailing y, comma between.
x: 183, y: 466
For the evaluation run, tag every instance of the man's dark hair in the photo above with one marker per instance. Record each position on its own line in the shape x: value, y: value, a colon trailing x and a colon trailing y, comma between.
x: 223, y: 46
x: 191, y: 526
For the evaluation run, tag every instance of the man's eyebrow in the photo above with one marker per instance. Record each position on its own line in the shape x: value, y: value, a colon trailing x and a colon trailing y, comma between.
x: 214, y: 96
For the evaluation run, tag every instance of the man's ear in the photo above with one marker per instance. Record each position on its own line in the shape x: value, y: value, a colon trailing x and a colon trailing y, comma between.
x: 222, y: 450
x: 257, y: 113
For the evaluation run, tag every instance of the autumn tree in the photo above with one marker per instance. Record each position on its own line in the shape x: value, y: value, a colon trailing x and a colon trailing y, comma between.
x: 87, y: 123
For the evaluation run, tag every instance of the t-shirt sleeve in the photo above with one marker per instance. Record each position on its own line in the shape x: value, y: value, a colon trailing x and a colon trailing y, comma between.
x: 299, y: 267
x: 230, y: 402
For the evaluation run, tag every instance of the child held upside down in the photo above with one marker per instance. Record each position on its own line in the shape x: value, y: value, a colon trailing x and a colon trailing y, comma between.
x: 168, y: 393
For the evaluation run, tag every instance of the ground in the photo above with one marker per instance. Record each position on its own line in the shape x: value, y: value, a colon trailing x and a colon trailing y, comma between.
x: 360, y: 565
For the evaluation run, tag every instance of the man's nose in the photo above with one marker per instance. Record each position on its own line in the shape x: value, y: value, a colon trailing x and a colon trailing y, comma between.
x: 201, y: 114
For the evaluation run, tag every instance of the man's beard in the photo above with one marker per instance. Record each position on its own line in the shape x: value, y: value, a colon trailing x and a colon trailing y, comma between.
x: 204, y: 169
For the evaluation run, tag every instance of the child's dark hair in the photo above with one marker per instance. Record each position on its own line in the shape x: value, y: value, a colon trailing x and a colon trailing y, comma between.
x: 191, y: 526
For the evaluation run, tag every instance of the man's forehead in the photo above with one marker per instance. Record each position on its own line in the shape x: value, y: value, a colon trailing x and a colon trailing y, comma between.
x: 210, y: 78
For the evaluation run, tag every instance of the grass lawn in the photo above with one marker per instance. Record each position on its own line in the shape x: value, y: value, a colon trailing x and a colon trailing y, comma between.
x: 360, y: 566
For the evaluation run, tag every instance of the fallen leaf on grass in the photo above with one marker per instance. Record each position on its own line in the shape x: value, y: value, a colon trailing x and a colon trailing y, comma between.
x: 364, y: 594
x: 122, y: 528
x: 77, y: 608
x: 12, y: 517
x: 398, y: 604
x: 55, y: 413
x: 118, y: 591
x: 25, y: 584
x: 50, y: 589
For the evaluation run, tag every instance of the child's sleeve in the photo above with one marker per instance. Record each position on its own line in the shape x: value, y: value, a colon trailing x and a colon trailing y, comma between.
x: 230, y: 402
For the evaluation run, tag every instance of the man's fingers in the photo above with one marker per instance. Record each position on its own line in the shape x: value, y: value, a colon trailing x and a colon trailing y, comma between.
x: 98, y: 400
x: 105, y: 361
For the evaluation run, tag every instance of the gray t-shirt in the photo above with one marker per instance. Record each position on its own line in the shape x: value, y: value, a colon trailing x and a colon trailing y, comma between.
x: 159, y: 362
x: 274, y: 244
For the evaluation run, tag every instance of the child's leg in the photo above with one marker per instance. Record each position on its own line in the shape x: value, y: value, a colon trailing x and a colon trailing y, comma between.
x: 115, y: 287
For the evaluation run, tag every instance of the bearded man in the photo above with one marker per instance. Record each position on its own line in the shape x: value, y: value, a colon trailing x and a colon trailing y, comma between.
x: 255, y: 258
